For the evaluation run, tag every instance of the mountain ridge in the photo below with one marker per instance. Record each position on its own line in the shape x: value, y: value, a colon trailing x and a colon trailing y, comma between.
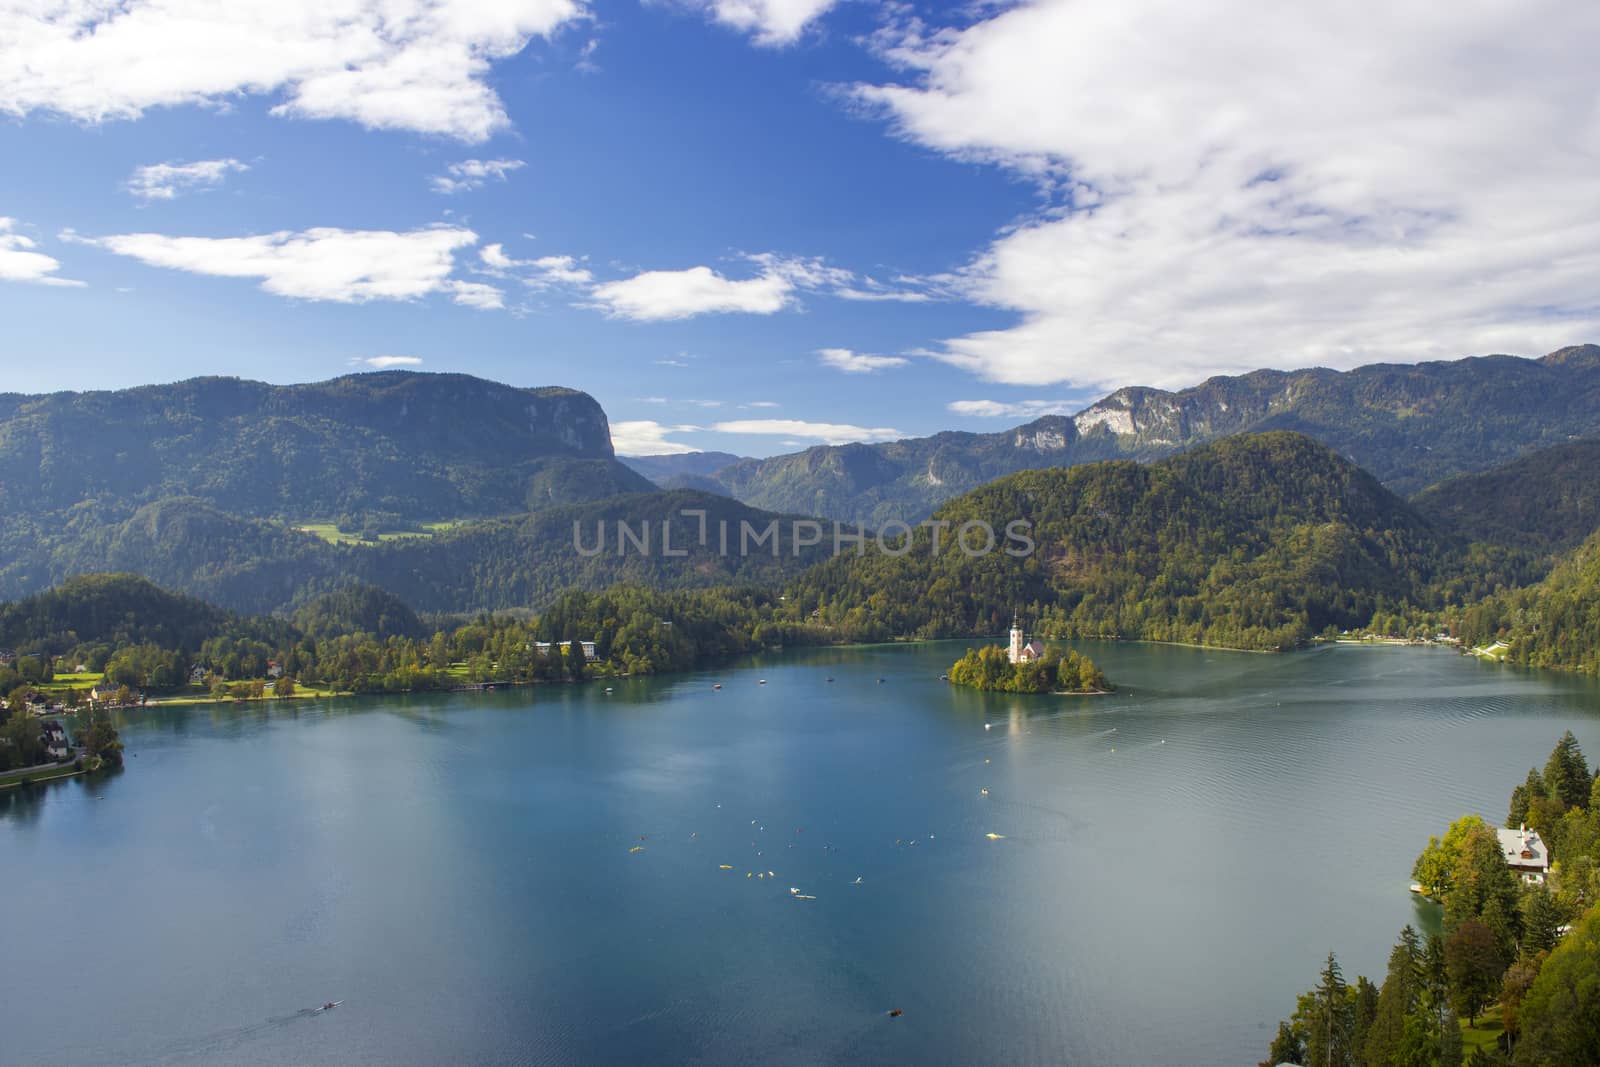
x: 1409, y: 424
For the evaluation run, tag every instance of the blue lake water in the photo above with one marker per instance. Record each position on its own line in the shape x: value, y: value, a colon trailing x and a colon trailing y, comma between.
x: 1176, y: 860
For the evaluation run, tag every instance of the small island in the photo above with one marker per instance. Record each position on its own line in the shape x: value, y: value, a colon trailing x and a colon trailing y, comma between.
x: 1027, y: 667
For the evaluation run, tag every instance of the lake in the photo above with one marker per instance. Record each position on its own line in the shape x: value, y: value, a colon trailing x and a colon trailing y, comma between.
x: 1176, y: 861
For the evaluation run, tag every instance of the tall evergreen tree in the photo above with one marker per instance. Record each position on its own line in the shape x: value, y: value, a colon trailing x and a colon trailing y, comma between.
x: 1524, y: 795
x: 1326, y: 1017
x: 1566, y: 775
x: 1398, y: 1000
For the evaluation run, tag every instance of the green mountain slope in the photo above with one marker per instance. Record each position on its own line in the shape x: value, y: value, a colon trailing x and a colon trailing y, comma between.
x: 1553, y: 624
x: 259, y: 565
x: 1410, y: 425
x: 1256, y: 541
x: 1546, y: 501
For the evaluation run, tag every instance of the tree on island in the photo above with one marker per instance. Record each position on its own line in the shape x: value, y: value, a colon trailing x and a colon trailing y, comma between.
x: 990, y: 668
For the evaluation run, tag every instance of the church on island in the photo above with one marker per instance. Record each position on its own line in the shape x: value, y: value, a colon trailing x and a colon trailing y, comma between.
x: 1020, y: 651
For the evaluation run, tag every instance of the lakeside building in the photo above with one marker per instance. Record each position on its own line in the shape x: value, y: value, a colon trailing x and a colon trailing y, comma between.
x: 543, y: 648
x: 1525, y: 853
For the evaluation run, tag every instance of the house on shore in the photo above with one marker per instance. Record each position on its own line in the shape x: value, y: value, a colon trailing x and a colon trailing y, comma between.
x: 543, y: 648
x: 54, y: 736
x: 1525, y: 853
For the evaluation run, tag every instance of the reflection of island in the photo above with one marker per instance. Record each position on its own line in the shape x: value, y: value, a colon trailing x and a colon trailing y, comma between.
x: 1028, y: 668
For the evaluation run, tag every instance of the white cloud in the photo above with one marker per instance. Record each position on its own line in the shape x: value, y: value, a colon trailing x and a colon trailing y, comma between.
x: 858, y: 363
x: 545, y: 272
x: 20, y: 263
x: 772, y: 23
x: 645, y: 437
x: 1287, y: 184
x: 657, y: 295
x: 388, y: 362
x: 387, y: 64
x: 476, y: 295
x: 165, y: 181
x: 671, y: 363
x: 761, y: 404
x: 1016, y: 409
x: 471, y: 174
x: 347, y: 266
x: 832, y: 433
x: 680, y: 294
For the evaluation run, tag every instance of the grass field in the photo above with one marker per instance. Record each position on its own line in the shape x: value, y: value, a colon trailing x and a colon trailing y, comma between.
x: 85, y: 681
x: 1485, y: 1034
x: 331, y: 533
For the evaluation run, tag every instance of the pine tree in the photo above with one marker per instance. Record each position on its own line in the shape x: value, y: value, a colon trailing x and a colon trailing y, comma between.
x: 1566, y: 775
x: 1522, y: 796
x: 1325, y: 1016
x: 1398, y: 1000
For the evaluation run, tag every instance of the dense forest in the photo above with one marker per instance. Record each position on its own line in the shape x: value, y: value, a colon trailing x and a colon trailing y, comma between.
x: 1544, y: 502
x: 1553, y: 624
x: 1525, y: 952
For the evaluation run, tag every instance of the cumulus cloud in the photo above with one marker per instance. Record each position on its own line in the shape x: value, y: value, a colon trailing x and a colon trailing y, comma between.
x: 471, y: 174
x: 858, y: 363
x: 1013, y: 409
x: 390, y: 362
x: 387, y: 64
x: 20, y: 263
x: 166, y: 181
x: 1282, y: 184
x: 646, y: 437
x: 832, y: 433
x: 772, y: 23
x: 657, y: 295
x: 346, y: 266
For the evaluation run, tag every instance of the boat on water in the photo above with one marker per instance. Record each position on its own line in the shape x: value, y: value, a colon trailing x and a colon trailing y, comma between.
x: 330, y: 1005
x: 717, y: 686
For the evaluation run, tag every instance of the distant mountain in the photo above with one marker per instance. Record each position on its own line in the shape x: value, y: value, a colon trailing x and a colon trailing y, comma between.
x: 661, y: 469
x: 1256, y: 541
x: 416, y: 446
x: 1410, y: 425
x: 1545, y: 501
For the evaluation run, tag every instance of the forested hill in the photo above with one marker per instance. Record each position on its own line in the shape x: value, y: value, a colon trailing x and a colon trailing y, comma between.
x: 1410, y: 425
x: 1553, y: 624
x: 1546, y: 501
x: 115, y: 610
x: 417, y: 446
x: 1257, y: 541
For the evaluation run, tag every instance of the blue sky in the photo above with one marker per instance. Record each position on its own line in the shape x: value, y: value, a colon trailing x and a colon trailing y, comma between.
x: 756, y: 225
